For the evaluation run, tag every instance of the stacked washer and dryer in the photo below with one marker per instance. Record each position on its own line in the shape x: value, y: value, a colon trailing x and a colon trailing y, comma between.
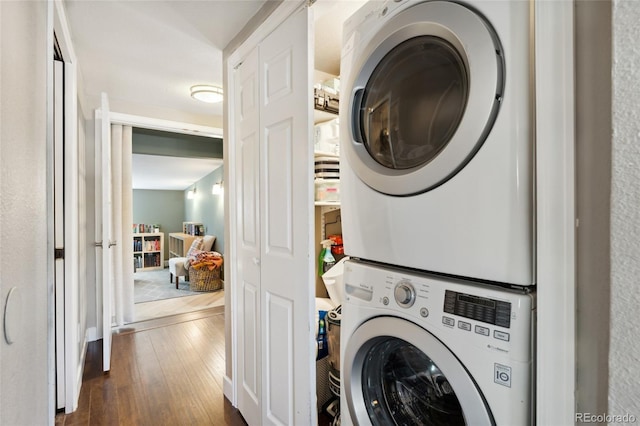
x: 437, y: 177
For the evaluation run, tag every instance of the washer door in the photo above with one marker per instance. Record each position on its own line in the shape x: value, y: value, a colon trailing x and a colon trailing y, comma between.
x: 424, y: 93
x: 396, y: 373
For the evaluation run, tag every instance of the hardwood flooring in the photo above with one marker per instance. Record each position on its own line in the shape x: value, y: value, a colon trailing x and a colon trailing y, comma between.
x: 178, y: 305
x: 164, y: 372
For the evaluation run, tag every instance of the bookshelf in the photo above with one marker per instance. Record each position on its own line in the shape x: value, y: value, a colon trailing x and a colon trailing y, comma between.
x: 148, y: 251
x: 179, y: 243
x: 193, y: 228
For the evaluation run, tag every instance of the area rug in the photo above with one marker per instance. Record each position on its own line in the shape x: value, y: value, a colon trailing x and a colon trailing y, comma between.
x: 154, y: 285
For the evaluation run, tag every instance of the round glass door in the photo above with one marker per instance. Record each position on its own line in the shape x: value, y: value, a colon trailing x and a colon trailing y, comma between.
x: 403, y: 386
x: 422, y: 94
x: 414, y: 102
x: 397, y: 373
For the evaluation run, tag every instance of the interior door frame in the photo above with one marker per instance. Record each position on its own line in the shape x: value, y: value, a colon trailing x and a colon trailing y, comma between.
x: 279, y: 15
x: 554, y: 73
x: 152, y: 124
x: 73, y: 356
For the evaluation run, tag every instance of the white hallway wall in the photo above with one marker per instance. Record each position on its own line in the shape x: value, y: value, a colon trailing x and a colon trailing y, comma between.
x: 24, y: 53
x: 624, y: 350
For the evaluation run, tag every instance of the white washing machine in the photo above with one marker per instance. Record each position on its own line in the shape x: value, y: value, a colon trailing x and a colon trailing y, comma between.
x: 417, y: 349
x: 437, y: 137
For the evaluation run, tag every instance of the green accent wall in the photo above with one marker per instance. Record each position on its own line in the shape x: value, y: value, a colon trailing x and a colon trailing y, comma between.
x: 155, y: 142
x: 166, y: 208
x: 207, y: 208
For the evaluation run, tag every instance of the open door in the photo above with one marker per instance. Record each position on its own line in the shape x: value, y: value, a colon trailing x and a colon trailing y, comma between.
x: 103, y: 228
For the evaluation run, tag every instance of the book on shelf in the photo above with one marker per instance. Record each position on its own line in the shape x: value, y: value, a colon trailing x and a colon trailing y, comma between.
x: 142, y: 228
x: 193, y: 228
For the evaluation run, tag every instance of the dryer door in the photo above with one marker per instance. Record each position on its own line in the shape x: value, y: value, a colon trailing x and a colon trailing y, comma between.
x: 395, y: 372
x: 423, y: 94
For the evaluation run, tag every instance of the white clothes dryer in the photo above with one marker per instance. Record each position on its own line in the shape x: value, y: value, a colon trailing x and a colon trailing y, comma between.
x: 437, y: 137
x: 420, y: 350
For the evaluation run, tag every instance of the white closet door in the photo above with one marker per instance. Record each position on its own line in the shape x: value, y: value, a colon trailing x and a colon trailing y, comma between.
x: 248, y: 247
x: 286, y: 206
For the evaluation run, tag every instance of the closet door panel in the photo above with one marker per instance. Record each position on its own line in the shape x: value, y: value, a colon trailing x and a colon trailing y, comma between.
x: 278, y: 77
x: 286, y: 198
x: 250, y: 367
x: 249, y: 155
x: 278, y: 183
x: 279, y: 355
x: 247, y: 163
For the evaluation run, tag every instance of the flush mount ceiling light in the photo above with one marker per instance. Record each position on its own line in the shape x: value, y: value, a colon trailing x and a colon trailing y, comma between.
x: 204, y: 93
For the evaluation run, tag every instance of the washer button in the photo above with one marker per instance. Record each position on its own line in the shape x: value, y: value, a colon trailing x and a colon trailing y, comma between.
x: 385, y: 300
x: 464, y: 325
x: 482, y: 330
x: 448, y: 321
x: 424, y: 312
x: 501, y: 335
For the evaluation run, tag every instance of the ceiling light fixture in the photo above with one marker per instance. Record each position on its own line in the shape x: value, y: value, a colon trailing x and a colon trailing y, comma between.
x: 205, y: 93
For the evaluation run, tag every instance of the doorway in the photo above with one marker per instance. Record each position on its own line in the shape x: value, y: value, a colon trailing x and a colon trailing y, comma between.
x: 173, y: 180
x: 165, y: 146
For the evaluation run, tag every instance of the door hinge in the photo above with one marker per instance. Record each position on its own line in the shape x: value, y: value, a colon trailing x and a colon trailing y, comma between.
x: 58, y: 253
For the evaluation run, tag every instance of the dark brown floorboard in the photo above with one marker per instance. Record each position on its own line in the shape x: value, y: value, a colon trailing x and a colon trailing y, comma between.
x: 163, y: 372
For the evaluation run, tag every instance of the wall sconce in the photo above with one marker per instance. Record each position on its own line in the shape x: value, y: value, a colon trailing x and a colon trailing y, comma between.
x: 191, y: 194
x: 217, y: 189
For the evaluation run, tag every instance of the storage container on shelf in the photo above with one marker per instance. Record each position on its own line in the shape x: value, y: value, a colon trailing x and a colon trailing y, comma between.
x: 327, y: 190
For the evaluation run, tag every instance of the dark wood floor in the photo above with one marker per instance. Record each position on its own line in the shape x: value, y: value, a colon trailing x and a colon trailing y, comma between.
x: 163, y: 372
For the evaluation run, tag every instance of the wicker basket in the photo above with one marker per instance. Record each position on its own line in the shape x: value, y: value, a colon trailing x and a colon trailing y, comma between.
x: 204, y: 280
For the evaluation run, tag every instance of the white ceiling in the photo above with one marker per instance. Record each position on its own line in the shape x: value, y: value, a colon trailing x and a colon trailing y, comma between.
x: 146, y: 54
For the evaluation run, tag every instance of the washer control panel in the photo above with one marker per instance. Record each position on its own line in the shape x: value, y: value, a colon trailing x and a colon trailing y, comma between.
x: 489, y: 318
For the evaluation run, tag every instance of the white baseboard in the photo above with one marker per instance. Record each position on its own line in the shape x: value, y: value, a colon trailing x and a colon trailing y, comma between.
x: 227, y: 388
x: 92, y: 334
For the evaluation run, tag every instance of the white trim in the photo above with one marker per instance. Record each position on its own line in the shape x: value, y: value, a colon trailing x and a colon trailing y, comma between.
x: 230, y: 388
x: 73, y: 360
x: 227, y: 386
x: 97, y: 231
x: 61, y: 27
x: 272, y: 22
x: 51, y: 309
x: 91, y: 335
x: 71, y: 239
x: 164, y: 125
x: 555, y: 171
x: 231, y: 235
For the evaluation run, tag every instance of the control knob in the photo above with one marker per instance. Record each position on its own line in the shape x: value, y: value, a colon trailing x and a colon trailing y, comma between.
x: 405, y: 294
